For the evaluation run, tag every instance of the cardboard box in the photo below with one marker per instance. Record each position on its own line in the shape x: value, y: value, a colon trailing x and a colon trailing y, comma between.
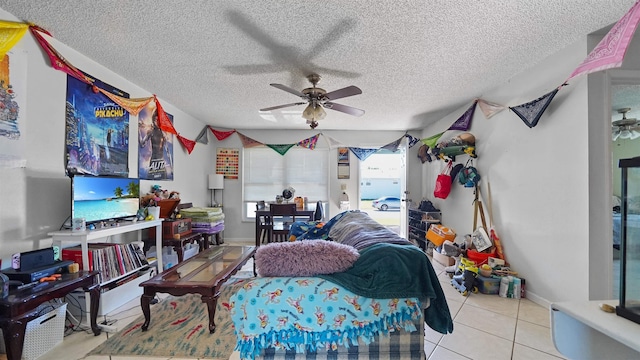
x: 443, y: 259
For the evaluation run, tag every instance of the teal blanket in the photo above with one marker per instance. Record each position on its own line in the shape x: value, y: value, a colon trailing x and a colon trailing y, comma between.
x: 386, y: 271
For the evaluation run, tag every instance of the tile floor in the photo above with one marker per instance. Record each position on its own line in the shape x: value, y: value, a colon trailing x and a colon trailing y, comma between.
x: 485, y: 327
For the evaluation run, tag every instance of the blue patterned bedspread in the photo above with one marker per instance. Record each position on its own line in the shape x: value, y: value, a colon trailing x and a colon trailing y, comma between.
x: 309, y: 313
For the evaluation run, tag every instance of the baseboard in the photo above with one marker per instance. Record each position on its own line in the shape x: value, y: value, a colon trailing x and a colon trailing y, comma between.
x: 538, y: 299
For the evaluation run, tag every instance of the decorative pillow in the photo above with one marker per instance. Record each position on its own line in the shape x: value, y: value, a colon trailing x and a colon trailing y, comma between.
x: 304, y: 258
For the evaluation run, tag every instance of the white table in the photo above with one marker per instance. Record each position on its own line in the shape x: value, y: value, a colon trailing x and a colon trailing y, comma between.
x: 580, y: 330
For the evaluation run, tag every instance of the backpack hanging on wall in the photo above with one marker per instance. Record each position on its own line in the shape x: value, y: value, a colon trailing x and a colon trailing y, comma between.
x: 469, y: 176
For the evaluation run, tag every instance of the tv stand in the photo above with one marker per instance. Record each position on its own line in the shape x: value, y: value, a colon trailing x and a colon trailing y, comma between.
x: 84, y: 238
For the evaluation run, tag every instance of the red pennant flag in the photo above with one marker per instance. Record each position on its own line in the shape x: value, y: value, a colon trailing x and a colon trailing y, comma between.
x: 221, y: 135
x: 57, y: 61
x: 163, y: 119
x: 189, y: 144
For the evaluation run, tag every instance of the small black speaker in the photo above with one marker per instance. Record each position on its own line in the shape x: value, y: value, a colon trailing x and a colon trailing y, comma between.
x: 36, y: 258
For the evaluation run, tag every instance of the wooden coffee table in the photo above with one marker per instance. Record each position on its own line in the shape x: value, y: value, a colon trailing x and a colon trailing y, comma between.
x: 202, y: 274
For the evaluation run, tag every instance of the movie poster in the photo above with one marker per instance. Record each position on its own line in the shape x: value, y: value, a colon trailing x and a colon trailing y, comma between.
x: 13, y: 75
x: 155, y: 149
x: 97, y: 131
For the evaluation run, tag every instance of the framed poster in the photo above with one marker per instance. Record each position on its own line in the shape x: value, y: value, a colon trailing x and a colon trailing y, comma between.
x: 343, y: 163
x: 13, y: 76
x: 343, y: 155
x: 227, y: 161
x: 97, y: 130
x: 155, y: 147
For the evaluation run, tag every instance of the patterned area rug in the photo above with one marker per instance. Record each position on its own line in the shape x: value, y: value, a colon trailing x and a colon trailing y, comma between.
x: 179, y: 328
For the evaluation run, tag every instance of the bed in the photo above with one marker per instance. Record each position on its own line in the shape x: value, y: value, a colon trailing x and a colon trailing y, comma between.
x: 373, y: 305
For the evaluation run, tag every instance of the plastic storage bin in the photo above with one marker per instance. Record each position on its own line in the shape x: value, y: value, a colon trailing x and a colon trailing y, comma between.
x: 480, y: 257
x: 45, y: 332
x: 488, y: 285
x: 437, y: 234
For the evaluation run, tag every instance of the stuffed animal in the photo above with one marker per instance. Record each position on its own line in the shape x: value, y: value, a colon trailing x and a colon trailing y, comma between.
x: 174, y: 195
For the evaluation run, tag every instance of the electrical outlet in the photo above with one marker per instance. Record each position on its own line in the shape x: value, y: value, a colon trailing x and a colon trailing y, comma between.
x: 108, y: 328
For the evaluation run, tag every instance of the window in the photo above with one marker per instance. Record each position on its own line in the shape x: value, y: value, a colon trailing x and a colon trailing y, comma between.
x: 266, y: 173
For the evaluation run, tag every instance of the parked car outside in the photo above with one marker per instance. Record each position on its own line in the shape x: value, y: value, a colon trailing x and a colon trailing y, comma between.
x: 386, y: 202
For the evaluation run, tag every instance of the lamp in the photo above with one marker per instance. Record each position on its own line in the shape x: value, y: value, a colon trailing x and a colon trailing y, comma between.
x: 216, y: 182
x: 314, y: 112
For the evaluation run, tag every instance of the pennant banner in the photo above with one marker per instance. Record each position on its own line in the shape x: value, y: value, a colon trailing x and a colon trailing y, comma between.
x: 133, y: 106
x: 309, y: 143
x: 10, y: 33
x: 412, y: 140
x: 361, y: 153
x: 531, y: 112
x: 57, y: 61
x: 163, y: 119
x: 202, y: 137
x: 221, y: 135
x: 610, y: 51
x: 431, y: 141
x: 464, y: 122
x: 393, y: 146
x: 281, y: 148
x: 488, y: 108
x: 248, y: 142
x: 189, y: 144
x: 333, y: 143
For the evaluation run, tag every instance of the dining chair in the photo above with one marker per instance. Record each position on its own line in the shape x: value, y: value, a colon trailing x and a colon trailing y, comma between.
x: 264, y: 225
x: 282, y: 215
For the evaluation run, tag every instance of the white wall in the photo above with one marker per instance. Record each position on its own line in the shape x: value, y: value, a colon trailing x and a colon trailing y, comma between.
x: 538, y: 179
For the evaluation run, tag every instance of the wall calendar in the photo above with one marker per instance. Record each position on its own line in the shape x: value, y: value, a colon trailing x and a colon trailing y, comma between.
x: 227, y: 162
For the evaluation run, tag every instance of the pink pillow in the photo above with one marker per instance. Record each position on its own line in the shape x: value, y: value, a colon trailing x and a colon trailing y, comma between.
x: 304, y: 258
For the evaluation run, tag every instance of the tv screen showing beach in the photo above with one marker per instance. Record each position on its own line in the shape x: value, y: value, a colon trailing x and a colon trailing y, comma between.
x: 104, y: 198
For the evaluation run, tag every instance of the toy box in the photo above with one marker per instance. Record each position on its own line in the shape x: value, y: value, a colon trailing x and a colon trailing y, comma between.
x: 488, y: 285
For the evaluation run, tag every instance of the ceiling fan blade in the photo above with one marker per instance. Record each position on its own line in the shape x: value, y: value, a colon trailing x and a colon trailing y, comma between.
x: 282, y: 106
x: 344, y: 108
x: 342, y: 93
x: 289, y: 90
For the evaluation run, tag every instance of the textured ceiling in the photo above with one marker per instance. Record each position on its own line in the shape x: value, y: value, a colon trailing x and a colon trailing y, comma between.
x: 415, y: 61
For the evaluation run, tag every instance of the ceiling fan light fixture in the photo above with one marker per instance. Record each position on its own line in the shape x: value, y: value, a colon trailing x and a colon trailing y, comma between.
x: 634, y: 134
x: 615, y: 135
x: 314, y: 112
x: 625, y: 134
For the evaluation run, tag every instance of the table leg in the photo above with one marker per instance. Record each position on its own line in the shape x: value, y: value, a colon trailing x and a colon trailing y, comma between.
x: 94, y: 293
x: 13, y: 333
x: 145, y: 300
x: 211, y: 302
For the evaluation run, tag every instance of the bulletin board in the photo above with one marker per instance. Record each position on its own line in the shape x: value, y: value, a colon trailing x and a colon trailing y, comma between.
x: 227, y: 162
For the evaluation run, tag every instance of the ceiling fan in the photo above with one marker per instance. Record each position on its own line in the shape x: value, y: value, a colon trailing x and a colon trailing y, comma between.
x: 625, y: 128
x: 318, y: 99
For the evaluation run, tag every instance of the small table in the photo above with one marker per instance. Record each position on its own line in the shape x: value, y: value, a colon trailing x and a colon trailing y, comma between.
x: 202, y: 274
x: 21, y: 306
x: 301, y: 213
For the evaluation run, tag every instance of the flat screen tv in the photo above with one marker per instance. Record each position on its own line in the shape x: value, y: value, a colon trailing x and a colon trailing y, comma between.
x: 101, y: 198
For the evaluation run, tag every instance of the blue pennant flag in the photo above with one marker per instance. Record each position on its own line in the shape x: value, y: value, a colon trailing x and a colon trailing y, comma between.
x: 531, y: 112
x: 361, y: 153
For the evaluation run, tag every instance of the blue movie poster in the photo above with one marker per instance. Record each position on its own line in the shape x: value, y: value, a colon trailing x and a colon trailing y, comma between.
x: 97, y: 130
x: 155, y: 147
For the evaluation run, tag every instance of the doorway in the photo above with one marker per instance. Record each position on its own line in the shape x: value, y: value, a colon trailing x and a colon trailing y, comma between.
x: 382, y: 182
